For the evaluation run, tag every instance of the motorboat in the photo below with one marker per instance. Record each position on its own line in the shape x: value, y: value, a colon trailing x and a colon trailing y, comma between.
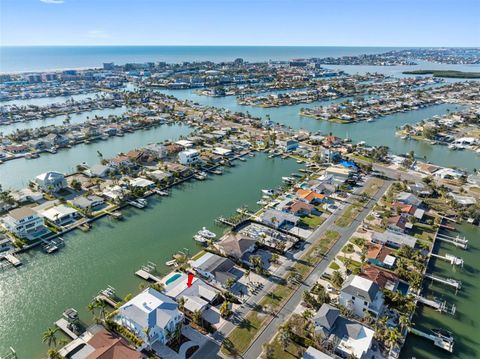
x: 199, y: 238
x: 205, y: 233
x: 268, y: 192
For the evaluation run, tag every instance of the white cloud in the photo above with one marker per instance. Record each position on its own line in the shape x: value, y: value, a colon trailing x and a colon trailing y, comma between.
x: 97, y: 34
x: 52, y: 1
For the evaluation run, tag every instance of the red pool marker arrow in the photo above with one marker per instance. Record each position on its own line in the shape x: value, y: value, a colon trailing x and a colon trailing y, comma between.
x: 190, y: 280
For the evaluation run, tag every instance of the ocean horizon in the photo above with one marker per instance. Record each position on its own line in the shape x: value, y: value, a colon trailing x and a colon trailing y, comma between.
x: 14, y: 59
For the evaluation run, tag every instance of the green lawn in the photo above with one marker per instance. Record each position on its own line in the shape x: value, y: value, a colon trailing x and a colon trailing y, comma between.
x: 244, y: 333
x: 334, y: 266
x: 312, y: 221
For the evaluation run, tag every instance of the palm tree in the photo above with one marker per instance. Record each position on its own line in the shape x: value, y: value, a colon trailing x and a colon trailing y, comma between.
x: 268, y: 351
x: 393, y: 337
x: 404, y: 322
x: 197, y: 317
x: 225, y: 309
x: 50, y: 337
x: 284, y: 336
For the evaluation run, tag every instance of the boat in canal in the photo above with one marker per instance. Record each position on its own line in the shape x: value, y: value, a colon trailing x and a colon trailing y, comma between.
x: 268, y: 192
x: 205, y: 233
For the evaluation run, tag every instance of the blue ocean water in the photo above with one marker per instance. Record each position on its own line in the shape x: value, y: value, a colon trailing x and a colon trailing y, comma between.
x: 41, y: 58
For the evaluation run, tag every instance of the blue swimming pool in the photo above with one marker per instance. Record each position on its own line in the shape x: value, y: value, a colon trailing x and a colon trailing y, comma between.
x: 173, y: 278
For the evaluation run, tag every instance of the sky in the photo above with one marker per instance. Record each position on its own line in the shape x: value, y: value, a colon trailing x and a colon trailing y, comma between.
x: 241, y: 22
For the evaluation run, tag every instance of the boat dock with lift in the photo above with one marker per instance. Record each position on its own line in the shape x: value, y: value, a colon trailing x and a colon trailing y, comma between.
x: 67, y: 323
x: 448, y: 281
x: 450, y: 258
x: 438, y: 305
x: 107, y: 296
x: 146, y: 273
x: 456, y: 241
x: 13, y: 260
x: 441, y: 342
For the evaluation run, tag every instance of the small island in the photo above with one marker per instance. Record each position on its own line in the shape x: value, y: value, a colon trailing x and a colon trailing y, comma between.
x: 445, y: 73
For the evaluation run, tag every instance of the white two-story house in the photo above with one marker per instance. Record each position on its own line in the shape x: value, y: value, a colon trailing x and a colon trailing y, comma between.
x: 361, y: 296
x: 51, y: 181
x: 188, y: 157
x: 151, y: 316
x: 24, y: 222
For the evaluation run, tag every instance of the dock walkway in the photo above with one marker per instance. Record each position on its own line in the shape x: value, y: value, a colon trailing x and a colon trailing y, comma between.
x: 445, y: 344
x: 62, y: 323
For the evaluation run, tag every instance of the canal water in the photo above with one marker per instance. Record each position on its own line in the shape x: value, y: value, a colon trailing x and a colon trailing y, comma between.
x: 465, y: 324
x: 45, y: 101
x: 377, y: 133
x: 58, y: 120
x: 17, y: 173
x: 33, y: 296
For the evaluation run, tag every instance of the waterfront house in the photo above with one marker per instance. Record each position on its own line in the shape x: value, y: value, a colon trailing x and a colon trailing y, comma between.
x: 348, y: 337
x: 464, y: 201
x: 383, y: 278
x: 361, y: 295
x: 142, y: 183
x: 88, y: 202
x: 197, y: 297
x: 60, y: 215
x: 312, y: 353
x: 159, y: 150
x: 51, y: 181
x: 120, y: 161
x: 236, y: 245
x: 151, y: 316
x: 420, y: 189
x: 300, y: 209
x: 15, y: 149
x: 25, y: 195
x: 223, y: 152
x: 340, y: 174
x: 309, y: 196
x: 177, y: 169
x: 409, y: 198
x: 5, y: 243
x: 279, y: 219
x: 188, y: 157
x: 144, y: 157
x: 100, y: 171
x: 290, y: 145
x: 380, y: 255
x: 186, y: 144
x: 24, y: 223
x: 98, y: 343
x: 399, y: 223
x: 408, y: 209
x: 56, y: 139
x: 159, y: 176
x: 216, y: 269
x: 394, y: 240
x: 114, y: 193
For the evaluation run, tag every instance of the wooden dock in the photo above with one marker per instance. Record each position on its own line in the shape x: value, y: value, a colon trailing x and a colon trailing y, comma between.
x: 13, y: 260
x: 62, y: 323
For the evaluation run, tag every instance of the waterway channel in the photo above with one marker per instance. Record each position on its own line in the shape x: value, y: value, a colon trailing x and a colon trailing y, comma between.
x: 17, y: 173
x: 35, y: 295
x: 465, y: 324
x: 378, y: 133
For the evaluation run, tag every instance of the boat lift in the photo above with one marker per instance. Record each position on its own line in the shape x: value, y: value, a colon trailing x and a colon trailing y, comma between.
x: 444, y: 343
x: 448, y: 281
x: 456, y: 241
x: 450, y: 258
x: 438, y: 305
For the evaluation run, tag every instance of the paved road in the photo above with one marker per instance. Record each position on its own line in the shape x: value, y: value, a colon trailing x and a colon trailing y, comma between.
x: 271, y: 329
x: 211, y: 350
